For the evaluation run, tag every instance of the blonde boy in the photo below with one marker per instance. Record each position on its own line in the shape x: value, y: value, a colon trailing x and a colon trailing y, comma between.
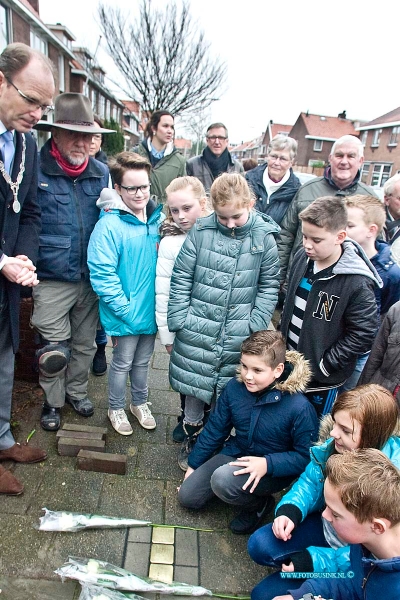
x: 362, y: 495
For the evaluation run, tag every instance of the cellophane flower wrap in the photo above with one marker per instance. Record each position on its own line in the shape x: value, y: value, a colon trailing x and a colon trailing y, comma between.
x: 70, y: 521
x: 104, y: 574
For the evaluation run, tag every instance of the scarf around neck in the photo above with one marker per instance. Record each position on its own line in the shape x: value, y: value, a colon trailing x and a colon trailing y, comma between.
x: 71, y: 170
x: 217, y: 164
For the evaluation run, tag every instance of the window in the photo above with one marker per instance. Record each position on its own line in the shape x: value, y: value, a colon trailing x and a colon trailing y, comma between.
x: 365, y: 172
x: 380, y: 174
x: 394, y: 136
x: 376, y: 137
x: 61, y: 73
x: 94, y: 101
x: 102, y: 107
x: 4, y: 36
x: 318, y: 145
x: 38, y: 43
x: 364, y: 137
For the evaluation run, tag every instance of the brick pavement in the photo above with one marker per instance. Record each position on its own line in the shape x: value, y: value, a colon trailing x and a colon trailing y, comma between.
x: 217, y: 560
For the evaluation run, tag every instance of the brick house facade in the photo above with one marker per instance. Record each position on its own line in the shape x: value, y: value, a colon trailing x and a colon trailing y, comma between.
x: 381, y: 140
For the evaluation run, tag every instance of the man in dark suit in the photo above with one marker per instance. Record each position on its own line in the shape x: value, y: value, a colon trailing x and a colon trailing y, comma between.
x: 26, y: 93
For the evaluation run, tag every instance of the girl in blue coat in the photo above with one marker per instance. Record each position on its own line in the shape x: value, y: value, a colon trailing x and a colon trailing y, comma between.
x: 122, y: 258
x: 299, y: 539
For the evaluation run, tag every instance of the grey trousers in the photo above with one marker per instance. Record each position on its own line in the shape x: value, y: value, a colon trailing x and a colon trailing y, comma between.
x: 67, y: 311
x: 6, y: 378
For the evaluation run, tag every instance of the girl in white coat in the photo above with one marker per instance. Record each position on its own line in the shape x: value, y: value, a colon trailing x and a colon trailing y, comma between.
x: 186, y: 202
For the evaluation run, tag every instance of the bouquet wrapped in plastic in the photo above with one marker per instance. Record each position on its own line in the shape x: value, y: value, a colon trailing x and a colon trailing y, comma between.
x: 96, y: 592
x: 70, y: 521
x: 104, y: 574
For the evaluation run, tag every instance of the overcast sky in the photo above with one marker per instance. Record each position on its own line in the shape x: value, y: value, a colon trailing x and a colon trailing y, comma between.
x: 283, y: 56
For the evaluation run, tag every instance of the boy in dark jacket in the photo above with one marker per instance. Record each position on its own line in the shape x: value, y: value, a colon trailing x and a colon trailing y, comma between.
x: 330, y: 312
x: 275, y: 427
x: 362, y: 495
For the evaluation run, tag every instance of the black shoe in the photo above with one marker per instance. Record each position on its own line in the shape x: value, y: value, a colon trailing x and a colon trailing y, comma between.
x: 99, y: 364
x: 191, y: 433
x: 50, y: 419
x: 249, y: 520
x: 82, y: 406
x: 178, y: 434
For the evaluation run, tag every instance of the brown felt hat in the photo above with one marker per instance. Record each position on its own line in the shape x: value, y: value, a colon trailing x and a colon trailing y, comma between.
x: 73, y: 112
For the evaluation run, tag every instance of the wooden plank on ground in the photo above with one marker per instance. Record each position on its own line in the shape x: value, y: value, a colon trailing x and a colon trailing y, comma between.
x: 71, y: 446
x: 89, y: 460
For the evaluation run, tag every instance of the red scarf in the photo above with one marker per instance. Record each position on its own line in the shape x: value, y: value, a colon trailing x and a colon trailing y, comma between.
x: 71, y: 170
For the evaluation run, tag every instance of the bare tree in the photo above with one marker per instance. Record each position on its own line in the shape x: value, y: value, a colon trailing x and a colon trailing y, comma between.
x: 196, y: 123
x: 164, y: 58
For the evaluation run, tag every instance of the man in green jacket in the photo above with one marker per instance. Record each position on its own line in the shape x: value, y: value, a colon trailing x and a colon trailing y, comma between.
x: 341, y: 178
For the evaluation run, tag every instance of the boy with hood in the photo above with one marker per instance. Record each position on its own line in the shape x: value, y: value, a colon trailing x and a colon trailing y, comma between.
x: 330, y: 312
x: 122, y: 256
x: 275, y: 426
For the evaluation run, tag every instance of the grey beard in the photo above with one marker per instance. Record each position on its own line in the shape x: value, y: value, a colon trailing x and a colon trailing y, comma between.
x: 77, y: 162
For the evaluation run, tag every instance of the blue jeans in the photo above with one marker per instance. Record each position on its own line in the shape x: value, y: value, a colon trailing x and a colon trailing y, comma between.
x: 131, y: 355
x: 101, y: 336
x: 194, y: 410
x: 265, y: 549
x: 352, y: 381
x: 6, y: 377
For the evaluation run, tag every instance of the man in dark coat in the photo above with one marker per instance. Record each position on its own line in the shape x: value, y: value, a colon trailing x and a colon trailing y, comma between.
x: 26, y: 93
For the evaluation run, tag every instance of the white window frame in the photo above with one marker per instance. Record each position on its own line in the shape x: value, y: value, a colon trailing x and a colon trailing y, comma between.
x: 382, y: 175
x: 37, y: 42
x: 394, y: 136
x: 376, y: 138
x: 364, y: 137
x: 61, y: 73
x: 318, y: 145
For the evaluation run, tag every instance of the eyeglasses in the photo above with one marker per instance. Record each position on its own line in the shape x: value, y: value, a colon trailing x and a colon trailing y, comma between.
x: 45, y: 108
x: 281, y: 159
x: 133, y: 190
x: 214, y: 138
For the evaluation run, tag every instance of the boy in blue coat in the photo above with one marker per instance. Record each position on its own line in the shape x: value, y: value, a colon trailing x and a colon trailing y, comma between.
x: 362, y: 495
x: 275, y: 426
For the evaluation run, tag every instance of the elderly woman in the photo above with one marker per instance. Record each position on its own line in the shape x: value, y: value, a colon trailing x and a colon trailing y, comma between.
x: 158, y: 147
x: 274, y: 183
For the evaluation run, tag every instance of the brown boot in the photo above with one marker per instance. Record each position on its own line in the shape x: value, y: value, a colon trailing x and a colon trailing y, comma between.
x: 23, y: 453
x: 9, y: 484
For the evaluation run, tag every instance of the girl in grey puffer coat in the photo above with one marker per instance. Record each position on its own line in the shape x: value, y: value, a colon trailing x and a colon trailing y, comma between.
x: 224, y: 287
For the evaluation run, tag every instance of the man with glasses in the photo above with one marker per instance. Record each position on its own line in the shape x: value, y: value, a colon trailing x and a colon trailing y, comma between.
x: 215, y: 158
x: 26, y: 93
x: 65, y: 313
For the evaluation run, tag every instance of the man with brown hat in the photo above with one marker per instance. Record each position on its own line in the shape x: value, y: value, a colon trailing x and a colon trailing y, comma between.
x: 26, y: 93
x: 65, y: 311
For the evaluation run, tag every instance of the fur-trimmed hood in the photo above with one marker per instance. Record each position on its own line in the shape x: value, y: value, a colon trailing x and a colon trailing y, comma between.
x: 169, y: 227
x: 296, y: 374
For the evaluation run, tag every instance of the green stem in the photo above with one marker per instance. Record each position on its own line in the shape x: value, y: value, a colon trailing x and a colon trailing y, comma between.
x: 30, y: 435
x: 178, y: 527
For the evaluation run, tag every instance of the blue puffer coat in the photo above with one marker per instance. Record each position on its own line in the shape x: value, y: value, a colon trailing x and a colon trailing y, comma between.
x: 307, y: 496
x: 122, y: 257
x: 69, y: 214
x: 277, y: 204
x: 279, y: 424
x: 224, y: 286
x: 370, y: 579
x: 389, y: 272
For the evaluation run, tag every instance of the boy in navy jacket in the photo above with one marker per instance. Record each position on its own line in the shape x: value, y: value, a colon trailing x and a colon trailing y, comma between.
x: 362, y: 495
x: 275, y: 426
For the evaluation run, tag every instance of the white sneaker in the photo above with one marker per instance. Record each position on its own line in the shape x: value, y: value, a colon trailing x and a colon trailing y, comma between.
x: 120, y: 422
x: 143, y: 415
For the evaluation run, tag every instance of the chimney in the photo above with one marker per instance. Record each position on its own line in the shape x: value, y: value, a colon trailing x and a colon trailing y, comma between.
x: 342, y: 115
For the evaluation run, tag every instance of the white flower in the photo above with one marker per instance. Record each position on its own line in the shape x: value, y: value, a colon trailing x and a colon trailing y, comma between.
x: 92, y: 566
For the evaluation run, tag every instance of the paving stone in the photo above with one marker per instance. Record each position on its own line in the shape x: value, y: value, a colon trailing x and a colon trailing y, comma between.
x: 21, y: 589
x: 158, y: 380
x: 137, y: 558
x: 216, y: 515
x: 225, y: 566
x: 158, y: 461
x: 26, y: 552
x: 186, y: 548
x: 165, y: 402
x: 162, y: 554
x: 163, y: 573
x: 163, y: 535
x: 63, y: 489
x: 140, y: 534
x: 31, y: 480
x: 188, y: 575
x: 127, y: 497
x: 160, y: 360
